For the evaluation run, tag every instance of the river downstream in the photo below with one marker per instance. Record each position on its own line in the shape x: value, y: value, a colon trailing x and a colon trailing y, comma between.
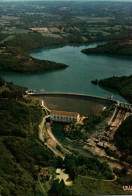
x: 76, y: 78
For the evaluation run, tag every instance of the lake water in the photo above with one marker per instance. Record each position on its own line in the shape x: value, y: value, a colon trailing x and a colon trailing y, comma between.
x: 63, y: 0
x: 76, y: 78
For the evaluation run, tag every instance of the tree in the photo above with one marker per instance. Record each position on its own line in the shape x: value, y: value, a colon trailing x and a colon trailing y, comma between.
x: 2, y: 81
x: 59, y: 189
x: 59, y: 162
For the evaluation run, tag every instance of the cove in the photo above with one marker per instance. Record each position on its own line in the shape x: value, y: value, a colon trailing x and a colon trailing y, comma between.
x: 76, y: 78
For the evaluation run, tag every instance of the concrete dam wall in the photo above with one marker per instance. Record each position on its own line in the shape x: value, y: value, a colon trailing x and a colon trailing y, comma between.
x: 84, y: 104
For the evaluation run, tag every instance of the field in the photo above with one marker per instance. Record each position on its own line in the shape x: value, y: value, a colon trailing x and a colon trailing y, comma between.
x: 97, y: 22
x: 13, y: 31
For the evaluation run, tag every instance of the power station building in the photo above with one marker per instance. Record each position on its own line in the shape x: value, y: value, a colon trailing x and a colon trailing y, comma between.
x: 63, y: 116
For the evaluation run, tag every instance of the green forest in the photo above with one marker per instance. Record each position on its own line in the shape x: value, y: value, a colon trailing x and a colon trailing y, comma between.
x: 120, y: 47
x: 21, y: 153
x: 27, y: 64
x: 123, y: 139
x: 14, y: 56
x: 75, y: 132
x: 121, y: 85
x: 34, y: 40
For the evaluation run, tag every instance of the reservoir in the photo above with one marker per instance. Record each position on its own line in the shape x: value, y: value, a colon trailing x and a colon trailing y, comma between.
x: 77, y: 77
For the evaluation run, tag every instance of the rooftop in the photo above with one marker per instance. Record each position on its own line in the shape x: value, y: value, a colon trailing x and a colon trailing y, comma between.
x: 58, y: 171
x: 44, y: 171
x: 64, y: 112
x: 80, y: 122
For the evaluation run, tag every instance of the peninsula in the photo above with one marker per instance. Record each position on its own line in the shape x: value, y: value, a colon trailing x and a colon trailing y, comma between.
x: 117, y: 47
x: 14, y: 55
x: 26, y: 64
x: 122, y: 85
x: 23, y: 28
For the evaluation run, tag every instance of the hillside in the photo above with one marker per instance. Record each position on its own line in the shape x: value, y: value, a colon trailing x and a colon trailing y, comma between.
x: 27, y: 64
x: 115, y: 48
x: 21, y: 154
x: 122, y: 85
x: 123, y: 139
x: 14, y: 56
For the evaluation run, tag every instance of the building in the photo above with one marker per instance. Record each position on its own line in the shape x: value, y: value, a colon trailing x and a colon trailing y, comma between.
x: 61, y: 175
x: 63, y: 116
x: 80, y: 122
x: 44, y: 171
x: 58, y: 171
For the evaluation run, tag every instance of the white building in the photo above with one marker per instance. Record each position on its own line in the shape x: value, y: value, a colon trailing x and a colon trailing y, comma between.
x: 63, y: 116
x: 58, y: 171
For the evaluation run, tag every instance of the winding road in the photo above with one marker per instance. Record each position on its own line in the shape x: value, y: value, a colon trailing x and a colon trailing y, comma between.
x: 68, y: 146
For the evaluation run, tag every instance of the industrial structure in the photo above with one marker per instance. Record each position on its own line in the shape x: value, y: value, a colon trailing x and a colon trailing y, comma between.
x: 63, y: 116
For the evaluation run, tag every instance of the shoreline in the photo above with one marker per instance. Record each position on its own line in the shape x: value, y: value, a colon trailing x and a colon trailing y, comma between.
x: 117, y: 47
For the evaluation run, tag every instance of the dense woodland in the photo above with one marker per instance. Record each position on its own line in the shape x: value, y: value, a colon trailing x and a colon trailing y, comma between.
x: 26, y: 64
x: 14, y: 57
x: 21, y: 154
x: 119, y: 48
x: 80, y: 166
x: 75, y: 132
x: 84, y: 166
x: 122, y: 85
x: 33, y: 40
x: 123, y: 139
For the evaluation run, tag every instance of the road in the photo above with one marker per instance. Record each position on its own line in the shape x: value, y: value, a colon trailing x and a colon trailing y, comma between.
x: 114, y: 179
x: 41, y: 128
x: 53, y: 140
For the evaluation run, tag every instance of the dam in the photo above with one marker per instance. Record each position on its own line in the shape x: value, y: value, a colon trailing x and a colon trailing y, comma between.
x: 72, y: 102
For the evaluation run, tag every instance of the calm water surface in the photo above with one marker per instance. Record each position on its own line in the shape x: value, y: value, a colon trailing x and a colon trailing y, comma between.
x: 76, y: 78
